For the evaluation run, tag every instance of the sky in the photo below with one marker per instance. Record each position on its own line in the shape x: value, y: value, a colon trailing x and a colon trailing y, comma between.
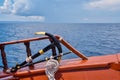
x: 61, y: 11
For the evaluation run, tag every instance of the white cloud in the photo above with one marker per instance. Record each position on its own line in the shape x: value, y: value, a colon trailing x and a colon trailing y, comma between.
x: 34, y: 18
x: 15, y: 7
x: 22, y: 8
x: 7, y: 7
x: 12, y: 17
x: 104, y: 4
x: 28, y: 7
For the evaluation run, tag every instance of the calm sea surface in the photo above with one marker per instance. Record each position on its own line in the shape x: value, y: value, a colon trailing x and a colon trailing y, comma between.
x: 89, y: 39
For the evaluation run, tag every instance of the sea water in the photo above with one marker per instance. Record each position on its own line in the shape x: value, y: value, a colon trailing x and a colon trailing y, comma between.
x: 91, y: 39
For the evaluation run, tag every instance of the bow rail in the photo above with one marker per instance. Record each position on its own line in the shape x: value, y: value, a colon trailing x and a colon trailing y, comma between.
x: 28, y: 50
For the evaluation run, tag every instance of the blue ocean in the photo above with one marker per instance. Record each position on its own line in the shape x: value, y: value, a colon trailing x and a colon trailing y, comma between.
x: 91, y: 39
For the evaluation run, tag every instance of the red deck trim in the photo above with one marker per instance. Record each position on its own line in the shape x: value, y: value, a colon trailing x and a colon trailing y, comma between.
x: 74, y: 64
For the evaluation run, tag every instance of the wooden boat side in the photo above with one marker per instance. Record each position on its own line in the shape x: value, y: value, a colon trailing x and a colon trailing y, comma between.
x: 96, y: 68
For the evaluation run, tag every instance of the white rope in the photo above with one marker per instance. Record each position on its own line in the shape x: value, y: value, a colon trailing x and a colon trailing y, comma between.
x: 28, y: 59
x: 51, y: 68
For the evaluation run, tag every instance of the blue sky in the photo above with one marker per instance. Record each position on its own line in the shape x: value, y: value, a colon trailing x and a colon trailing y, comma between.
x: 61, y: 11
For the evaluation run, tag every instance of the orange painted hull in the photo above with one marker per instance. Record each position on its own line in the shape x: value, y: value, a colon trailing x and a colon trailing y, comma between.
x: 95, y: 68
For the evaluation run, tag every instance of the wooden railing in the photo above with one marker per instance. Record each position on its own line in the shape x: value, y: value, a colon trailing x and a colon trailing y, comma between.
x: 26, y: 43
x: 28, y: 50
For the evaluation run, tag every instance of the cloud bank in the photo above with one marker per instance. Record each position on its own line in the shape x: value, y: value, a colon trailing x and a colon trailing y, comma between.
x: 50, y: 10
x: 28, y: 8
x: 104, y: 4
